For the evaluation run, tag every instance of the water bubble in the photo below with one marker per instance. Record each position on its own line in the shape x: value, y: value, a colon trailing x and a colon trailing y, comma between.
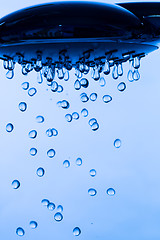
x: 76, y: 231
x: 39, y: 119
x: 33, y: 151
x: 60, y: 89
x: 102, y: 82
x: 92, y: 172
x: 111, y: 191
x: 22, y: 106
x: 9, y: 127
x: 117, y: 143
x: 77, y: 85
x: 121, y: 86
x: 75, y: 115
x: 49, y: 132
x: 33, y: 224
x: 93, y: 97
x: 32, y: 134
x: 66, y: 164
x: 84, y: 97
x: 51, y: 206
x: 59, y: 208
x: 92, y: 121
x: 107, y: 98
x: 58, y: 216
x: 25, y: 85
x: 54, y: 86
x: 95, y: 126
x: 84, y: 82
x: 20, y: 231
x: 45, y: 202
x: 68, y: 117
x: 92, y: 192
x: 65, y: 104
x: 51, y: 153
x: 32, y: 92
x: 15, y: 184
x: 79, y: 161
x: 40, y: 172
x: 84, y: 112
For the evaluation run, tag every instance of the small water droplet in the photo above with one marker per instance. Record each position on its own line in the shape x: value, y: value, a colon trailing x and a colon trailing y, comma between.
x: 79, y: 161
x: 45, y: 202
x: 130, y: 76
x: 32, y: 92
x: 136, y: 62
x: 20, y: 231
x: 9, y: 127
x: 39, y: 119
x: 60, y: 89
x: 121, y: 86
x: 117, y: 143
x: 22, y: 106
x: 84, y: 82
x: 92, y: 121
x: 55, y: 132
x: 93, y: 97
x: 84, y: 112
x: 84, y: 97
x: 25, y: 85
x: 15, y: 184
x: 51, y: 206
x: 102, y: 82
x: 136, y: 75
x: 77, y: 85
x: 40, y: 172
x: 95, y: 126
x: 75, y: 115
x: 49, y: 132
x: 92, y: 192
x: 54, y: 86
x: 32, y: 134
x: 39, y: 77
x: 10, y: 74
x: 106, y: 68
x: 76, y: 231
x: 107, y: 98
x: 33, y: 151
x: 65, y: 104
x: 51, y: 153
x: 58, y: 216
x: 68, y: 117
x: 66, y: 164
x: 111, y: 192
x: 92, y: 172
x: 59, y: 208
x: 115, y: 72
x: 33, y: 224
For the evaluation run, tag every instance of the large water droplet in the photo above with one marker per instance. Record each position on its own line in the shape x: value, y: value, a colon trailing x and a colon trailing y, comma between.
x: 59, y: 208
x: 76, y: 231
x: 84, y: 82
x: 32, y: 134
x: 111, y: 192
x: 65, y: 104
x: 107, y: 98
x: 79, y: 161
x: 51, y: 153
x: 33, y: 224
x: 22, y: 106
x: 33, y: 151
x: 77, y: 85
x: 32, y: 92
x: 51, y: 206
x: 68, y: 117
x: 20, y: 231
x: 84, y: 97
x: 58, y: 216
x: 121, y: 86
x: 92, y: 192
x: 25, y: 85
x: 102, y: 82
x: 39, y: 119
x: 117, y: 143
x: 84, y: 112
x: 15, y: 184
x: 54, y: 86
x: 66, y: 164
x: 75, y: 115
x: 40, y: 172
x: 93, y: 97
x: 9, y: 127
x: 92, y: 172
x: 45, y: 202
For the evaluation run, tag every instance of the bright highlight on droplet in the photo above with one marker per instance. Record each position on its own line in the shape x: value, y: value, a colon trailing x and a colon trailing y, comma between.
x: 20, y: 231
x: 117, y: 143
x: 58, y: 216
x: 33, y: 224
x: 40, y: 172
x: 15, y: 184
x: 76, y: 231
x: 22, y: 106
x: 9, y: 127
x: 92, y: 192
x: 92, y: 172
x: 111, y: 191
x: 32, y: 134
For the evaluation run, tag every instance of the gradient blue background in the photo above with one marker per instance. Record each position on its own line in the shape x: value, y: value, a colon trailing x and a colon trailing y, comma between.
x: 132, y: 170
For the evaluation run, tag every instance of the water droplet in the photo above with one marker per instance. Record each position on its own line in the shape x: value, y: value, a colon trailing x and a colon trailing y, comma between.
x: 22, y: 106
x: 60, y: 73
x: 130, y: 76
x: 95, y: 126
x: 79, y: 161
x: 15, y: 184
x: 77, y: 85
x: 32, y: 134
x: 84, y: 112
x: 68, y: 117
x: 40, y: 172
x: 93, y: 97
x: 115, y: 72
x: 65, y: 104
x: 51, y: 206
x: 121, y: 86
x: 66, y: 164
x: 92, y: 121
x: 136, y: 62
x: 55, y: 132
x: 25, y: 85
x: 32, y: 92
x: 49, y: 132
x: 111, y: 192
x: 45, y: 202
x: 58, y: 216
x: 60, y: 89
x: 117, y: 143
x: 136, y: 75
x: 33, y: 151
x: 84, y: 82
x: 59, y: 208
x: 33, y: 224
x: 9, y: 127
x: 84, y: 97
x: 107, y: 98
x: 66, y: 75
x: 92, y: 172
x: 10, y: 74
x: 76, y: 231
x: 75, y: 115
x: 51, y: 153
x: 96, y: 73
x: 120, y: 69
x: 39, y: 119
x: 92, y: 192
x: 20, y: 231
x: 106, y: 68
x: 54, y: 86
x: 102, y: 82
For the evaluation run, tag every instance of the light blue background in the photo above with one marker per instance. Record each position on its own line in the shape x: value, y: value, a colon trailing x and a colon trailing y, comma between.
x: 133, y: 170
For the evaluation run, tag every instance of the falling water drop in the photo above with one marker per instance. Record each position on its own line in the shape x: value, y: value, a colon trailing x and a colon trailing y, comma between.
x: 54, y: 86
x: 55, y: 132
x: 93, y: 97
x: 32, y: 134
x: 33, y: 224
x: 115, y: 72
x: 39, y: 77
x: 60, y: 89
x: 84, y: 97
x: 121, y: 86
x: 92, y: 121
x: 84, y: 112
x: 59, y: 208
x: 92, y: 172
x: 9, y: 127
x: 40, y: 172
x: 136, y: 62
x: 51, y: 153
x: 15, y: 184
x: 76, y: 231
x: 68, y: 117
x: 92, y: 192
x: 136, y: 75
x: 95, y: 126
x: 33, y: 151
x: 25, y: 85
x: 51, y: 206
x: 84, y: 82
x: 102, y: 82
x: 22, y: 106
x: 120, y: 69
x: 77, y: 85
x: 49, y: 132
x: 32, y: 92
x: 10, y: 74
x: 117, y: 143
x: 106, y: 68
x: 65, y: 104
x: 58, y: 216
x: 66, y: 164
x: 39, y: 119
x: 111, y: 192
x: 130, y: 72
x: 20, y: 231
x: 96, y: 73
x: 79, y: 161
x: 107, y: 98
x: 45, y: 202
x: 75, y: 115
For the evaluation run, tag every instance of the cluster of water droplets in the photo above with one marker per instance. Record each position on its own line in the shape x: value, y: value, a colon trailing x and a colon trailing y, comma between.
x: 58, y: 216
